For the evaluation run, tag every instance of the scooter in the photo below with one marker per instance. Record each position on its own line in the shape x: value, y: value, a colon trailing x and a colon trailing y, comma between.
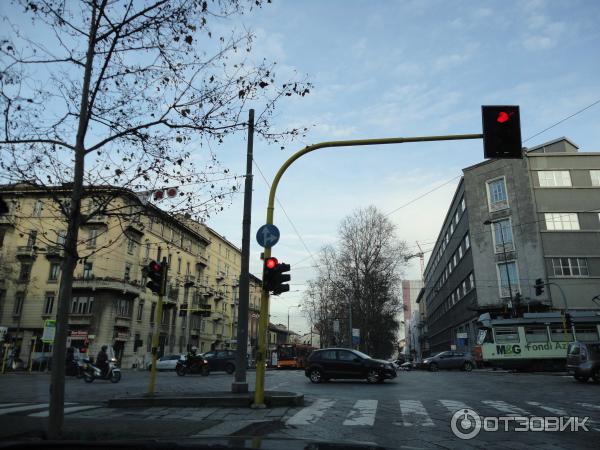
x: 92, y: 372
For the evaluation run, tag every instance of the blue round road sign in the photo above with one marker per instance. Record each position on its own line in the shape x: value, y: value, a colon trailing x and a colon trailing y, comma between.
x: 267, y: 235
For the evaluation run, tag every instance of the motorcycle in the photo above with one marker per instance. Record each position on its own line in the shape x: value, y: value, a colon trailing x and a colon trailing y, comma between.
x: 75, y: 368
x: 92, y: 372
x: 192, y: 366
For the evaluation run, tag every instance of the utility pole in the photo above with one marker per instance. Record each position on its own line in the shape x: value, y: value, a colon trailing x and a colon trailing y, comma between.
x: 240, y: 384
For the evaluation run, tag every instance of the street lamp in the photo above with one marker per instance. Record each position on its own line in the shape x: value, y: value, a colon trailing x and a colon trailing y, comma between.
x: 288, y: 323
x: 489, y: 222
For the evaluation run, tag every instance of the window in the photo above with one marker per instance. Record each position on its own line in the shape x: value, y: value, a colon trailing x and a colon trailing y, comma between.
x: 178, y: 265
x: 61, y: 235
x: 554, y: 178
x: 506, y: 334
x: 2, y: 234
x: 54, y: 271
x: 595, y: 176
x: 124, y: 308
x: 19, y: 300
x: 25, y: 272
x: 140, y: 311
x: 457, y: 217
x: 82, y: 305
x: 127, y: 274
x: 497, y: 197
x: 451, y: 229
x: 328, y: 354
x: 463, y: 205
x: 464, y: 287
x: 187, y: 268
x: 147, y: 251
x: 536, y: 334
x: 562, y: 221
x: 37, y: 208
x: 509, y: 280
x: 471, y: 282
x: 48, y: 303
x: 503, y: 236
x: 454, y: 259
x: 130, y: 246
x: 570, y: 267
x: 149, y: 343
x: 152, y: 312
x: 467, y: 242
x: 32, y: 238
x: 557, y: 333
x: 158, y: 254
x: 88, y: 270
x: 586, y: 333
x: 460, y: 252
x: 92, y: 238
x: 344, y: 355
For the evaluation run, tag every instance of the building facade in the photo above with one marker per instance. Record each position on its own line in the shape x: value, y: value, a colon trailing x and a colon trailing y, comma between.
x: 511, y: 222
x: 111, y: 304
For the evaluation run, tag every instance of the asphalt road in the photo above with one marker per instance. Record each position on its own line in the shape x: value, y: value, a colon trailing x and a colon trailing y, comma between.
x: 413, y: 411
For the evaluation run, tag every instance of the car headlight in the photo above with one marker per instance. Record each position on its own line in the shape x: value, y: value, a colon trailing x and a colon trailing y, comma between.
x: 205, y: 361
x: 426, y: 361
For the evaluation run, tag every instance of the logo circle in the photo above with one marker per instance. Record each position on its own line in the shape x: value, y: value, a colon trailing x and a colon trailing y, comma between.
x: 465, y: 424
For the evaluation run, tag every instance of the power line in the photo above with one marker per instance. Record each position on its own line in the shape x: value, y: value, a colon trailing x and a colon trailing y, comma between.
x: 423, y: 195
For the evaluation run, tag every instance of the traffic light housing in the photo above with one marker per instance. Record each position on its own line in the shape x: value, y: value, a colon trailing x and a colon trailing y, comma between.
x: 155, y: 273
x: 274, y: 276
x: 568, y: 322
x: 501, y: 132
x: 539, y: 287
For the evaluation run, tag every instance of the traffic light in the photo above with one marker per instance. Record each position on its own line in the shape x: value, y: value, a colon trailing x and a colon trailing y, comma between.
x: 568, y: 322
x: 539, y: 287
x: 274, y: 276
x: 501, y: 132
x: 155, y: 272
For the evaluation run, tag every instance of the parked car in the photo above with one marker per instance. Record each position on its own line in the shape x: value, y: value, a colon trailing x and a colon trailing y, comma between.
x: 407, y: 366
x: 220, y: 360
x: 340, y: 363
x: 583, y: 360
x: 449, y: 360
x: 167, y: 362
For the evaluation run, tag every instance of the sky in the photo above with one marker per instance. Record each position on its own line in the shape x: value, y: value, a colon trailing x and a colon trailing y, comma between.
x: 404, y: 68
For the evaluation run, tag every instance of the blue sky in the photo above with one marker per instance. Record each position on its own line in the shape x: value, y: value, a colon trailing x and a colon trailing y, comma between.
x: 406, y: 68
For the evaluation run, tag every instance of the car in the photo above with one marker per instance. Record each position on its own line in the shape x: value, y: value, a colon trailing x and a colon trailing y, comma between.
x: 167, y: 362
x: 407, y: 366
x: 220, y: 360
x: 344, y: 363
x: 449, y: 360
x: 583, y: 360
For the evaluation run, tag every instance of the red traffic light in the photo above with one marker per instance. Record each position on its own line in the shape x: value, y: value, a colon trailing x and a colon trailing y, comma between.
x: 154, y: 266
x: 271, y: 263
x: 503, y: 116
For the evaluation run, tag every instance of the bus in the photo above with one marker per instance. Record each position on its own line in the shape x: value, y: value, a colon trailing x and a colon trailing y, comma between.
x: 293, y: 356
x: 536, y: 341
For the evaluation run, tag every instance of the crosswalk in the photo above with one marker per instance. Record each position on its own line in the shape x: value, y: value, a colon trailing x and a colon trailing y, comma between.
x: 41, y: 409
x: 415, y: 413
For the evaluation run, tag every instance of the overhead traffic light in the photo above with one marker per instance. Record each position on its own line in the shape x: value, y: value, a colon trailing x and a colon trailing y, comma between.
x: 274, y: 276
x: 501, y: 132
x: 539, y: 287
x: 155, y: 272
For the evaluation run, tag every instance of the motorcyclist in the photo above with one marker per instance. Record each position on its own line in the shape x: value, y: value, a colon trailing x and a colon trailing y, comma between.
x: 102, y: 360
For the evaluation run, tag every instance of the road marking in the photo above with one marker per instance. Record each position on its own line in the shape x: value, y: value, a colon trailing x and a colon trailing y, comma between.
x: 7, y: 405
x: 414, y: 413
x: 556, y: 411
x: 312, y: 413
x: 72, y: 409
x: 454, y: 405
x: 23, y: 408
x: 504, y: 407
x: 362, y: 413
x: 589, y: 405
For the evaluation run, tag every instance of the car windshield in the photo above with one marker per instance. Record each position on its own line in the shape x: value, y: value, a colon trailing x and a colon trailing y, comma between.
x: 401, y: 206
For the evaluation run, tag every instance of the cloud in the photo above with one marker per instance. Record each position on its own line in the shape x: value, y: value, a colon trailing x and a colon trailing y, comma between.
x: 452, y: 60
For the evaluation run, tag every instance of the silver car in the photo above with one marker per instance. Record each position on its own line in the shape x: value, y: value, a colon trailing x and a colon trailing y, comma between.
x: 167, y: 362
x: 449, y: 360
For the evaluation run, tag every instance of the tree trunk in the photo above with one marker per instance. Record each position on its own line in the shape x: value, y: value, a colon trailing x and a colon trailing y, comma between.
x: 57, y: 383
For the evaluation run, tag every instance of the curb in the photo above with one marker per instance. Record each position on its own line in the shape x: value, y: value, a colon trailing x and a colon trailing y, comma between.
x: 227, y: 399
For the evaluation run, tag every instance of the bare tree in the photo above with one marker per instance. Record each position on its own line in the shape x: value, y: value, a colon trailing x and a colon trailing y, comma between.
x: 361, y: 278
x: 131, y: 94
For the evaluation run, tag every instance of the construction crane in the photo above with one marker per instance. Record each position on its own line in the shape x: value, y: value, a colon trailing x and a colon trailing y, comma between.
x: 421, y: 256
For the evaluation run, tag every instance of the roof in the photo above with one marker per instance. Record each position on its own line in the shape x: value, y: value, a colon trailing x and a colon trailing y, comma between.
x: 554, y: 141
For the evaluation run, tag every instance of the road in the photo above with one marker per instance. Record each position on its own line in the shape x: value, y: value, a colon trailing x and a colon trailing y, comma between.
x: 413, y: 411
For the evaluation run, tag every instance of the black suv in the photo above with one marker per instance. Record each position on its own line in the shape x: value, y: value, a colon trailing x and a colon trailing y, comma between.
x: 330, y: 363
x: 220, y: 360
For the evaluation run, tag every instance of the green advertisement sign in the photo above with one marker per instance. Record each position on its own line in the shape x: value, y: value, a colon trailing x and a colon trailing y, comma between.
x: 49, y: 331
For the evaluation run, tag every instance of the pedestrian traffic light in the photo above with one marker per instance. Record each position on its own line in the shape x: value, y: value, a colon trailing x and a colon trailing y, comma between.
x: 501, y: 132
x: 274, y: 276
x: 155, y: 273
x: 539, y: 287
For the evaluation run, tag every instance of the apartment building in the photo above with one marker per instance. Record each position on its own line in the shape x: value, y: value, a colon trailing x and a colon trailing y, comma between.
x: 111, y: 304
x: 511, y: 222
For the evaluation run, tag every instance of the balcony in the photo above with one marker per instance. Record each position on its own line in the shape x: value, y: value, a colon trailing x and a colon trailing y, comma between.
x: 216, y: 316
x: 220, y: 275
x: 207, y: 292
x: 80, y: 319
x: 130, y: 287
x: 97, y: 219
x: 55, y: 252
x: 219, y: 295
x: 26, y: 251
x: 201, y: 260
x: 123, y: 321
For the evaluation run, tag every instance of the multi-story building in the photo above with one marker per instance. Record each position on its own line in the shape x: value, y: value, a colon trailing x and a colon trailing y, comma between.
x: 511, y: 222
x: 111, y: 304
x: 410, y: 292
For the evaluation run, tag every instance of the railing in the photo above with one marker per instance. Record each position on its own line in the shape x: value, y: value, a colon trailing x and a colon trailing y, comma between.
x: 111, y: 283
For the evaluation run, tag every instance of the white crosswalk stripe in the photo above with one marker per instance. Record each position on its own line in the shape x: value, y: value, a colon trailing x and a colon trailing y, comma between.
x: 69, y: 410
x: 14, y: 409
x: 589, y: 406
x: 312, y: 413
x: 6, y: 405
x: 362, y: 413
x: 556, y: 411
x: 453, y: 405
x: 414, y: 413
x: 503, y: 407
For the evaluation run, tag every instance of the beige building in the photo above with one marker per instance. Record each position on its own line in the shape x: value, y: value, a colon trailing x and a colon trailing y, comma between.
x: 111, y: 304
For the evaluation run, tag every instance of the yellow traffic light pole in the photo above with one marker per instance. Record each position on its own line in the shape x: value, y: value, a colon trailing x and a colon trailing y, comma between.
x: 259, y: 392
